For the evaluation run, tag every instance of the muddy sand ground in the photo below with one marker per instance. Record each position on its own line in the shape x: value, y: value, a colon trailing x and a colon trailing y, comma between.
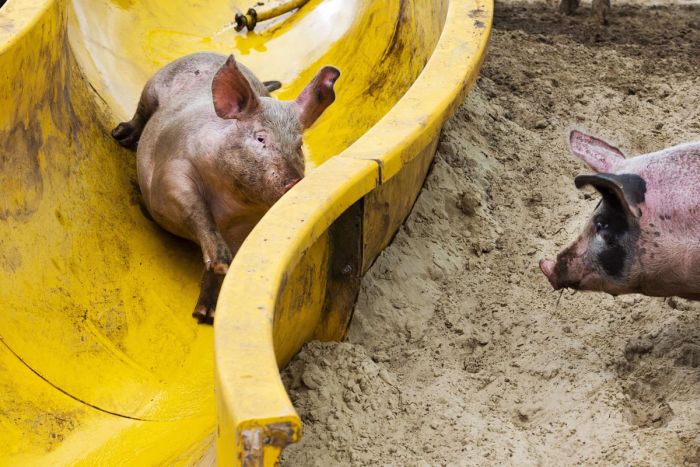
x: 459, y: 352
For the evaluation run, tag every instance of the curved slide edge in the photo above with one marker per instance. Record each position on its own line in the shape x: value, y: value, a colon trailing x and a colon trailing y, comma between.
x: 296, y: 276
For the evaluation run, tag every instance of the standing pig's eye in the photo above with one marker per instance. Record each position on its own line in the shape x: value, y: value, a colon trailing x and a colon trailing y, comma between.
x: 261, y: 139
x: 600, y: 226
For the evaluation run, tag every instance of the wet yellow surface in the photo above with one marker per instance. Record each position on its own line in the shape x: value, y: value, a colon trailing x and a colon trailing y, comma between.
x: 100, y: 361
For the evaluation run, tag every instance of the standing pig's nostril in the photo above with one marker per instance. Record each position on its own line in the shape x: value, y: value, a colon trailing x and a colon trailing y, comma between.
x: 289, y: 185
x: 547, y: 267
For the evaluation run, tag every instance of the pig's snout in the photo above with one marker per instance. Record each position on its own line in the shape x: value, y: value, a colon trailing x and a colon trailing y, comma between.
x: 547, y: 267
x: 291, y: 184
x: 281, y: 180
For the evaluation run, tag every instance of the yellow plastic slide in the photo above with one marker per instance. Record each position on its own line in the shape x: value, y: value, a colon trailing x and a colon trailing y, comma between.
x: 100, y: 360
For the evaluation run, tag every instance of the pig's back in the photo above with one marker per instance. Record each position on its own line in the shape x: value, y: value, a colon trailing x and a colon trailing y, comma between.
x: 191, y: 76
x: 672, y: 178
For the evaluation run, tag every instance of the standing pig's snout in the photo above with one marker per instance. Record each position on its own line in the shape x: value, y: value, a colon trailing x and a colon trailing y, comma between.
x: 547, y: 267
x: 289, y: 185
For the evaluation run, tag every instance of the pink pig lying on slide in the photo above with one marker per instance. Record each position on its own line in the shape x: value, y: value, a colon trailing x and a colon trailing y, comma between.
x: 215, y: 151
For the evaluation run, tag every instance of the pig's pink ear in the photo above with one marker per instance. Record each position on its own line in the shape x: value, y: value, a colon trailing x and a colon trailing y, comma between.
x: 233, y: 97
x: 599, y: 155
x: 317, y: 96
x: 626, y: 191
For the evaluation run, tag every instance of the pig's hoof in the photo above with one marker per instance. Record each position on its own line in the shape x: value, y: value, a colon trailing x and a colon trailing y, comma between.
x: 272, y: 85
x: 203, y: 314
x: 126, y: 135
x: 219, y: 267
x: 222, y: 259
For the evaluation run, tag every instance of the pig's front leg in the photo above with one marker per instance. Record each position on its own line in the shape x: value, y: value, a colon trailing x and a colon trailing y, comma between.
x: 200, y: 223
x: 217, y: 258
x: 208, y: 295
x: 178, y: 204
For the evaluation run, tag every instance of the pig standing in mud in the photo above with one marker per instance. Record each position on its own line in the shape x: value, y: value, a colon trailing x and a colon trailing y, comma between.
x: 644, y: 236
x: 215, y: 152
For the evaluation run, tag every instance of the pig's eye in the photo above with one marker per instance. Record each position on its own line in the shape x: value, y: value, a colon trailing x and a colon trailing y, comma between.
x: 600, y: 226
x: 260, y: 137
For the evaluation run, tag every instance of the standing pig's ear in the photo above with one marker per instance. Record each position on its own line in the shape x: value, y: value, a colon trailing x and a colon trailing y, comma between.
x: 599, y: 155
x: 233, y: 97
x: 626, y: 191
x: 317, y: 96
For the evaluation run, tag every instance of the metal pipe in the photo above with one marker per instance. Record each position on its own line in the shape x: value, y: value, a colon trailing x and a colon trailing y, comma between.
x: 253, y: 16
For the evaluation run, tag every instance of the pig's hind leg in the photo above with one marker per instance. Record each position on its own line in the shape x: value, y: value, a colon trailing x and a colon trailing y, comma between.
x: 128, y: 133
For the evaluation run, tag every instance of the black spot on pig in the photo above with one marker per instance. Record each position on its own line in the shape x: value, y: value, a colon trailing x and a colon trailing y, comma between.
x: 617, y: 233
x: 613, y: 260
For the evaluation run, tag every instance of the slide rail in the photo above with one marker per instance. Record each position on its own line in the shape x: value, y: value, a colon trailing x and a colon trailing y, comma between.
x: 374, y: 181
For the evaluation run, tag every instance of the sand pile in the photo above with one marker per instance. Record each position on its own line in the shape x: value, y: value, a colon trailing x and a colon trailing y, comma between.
x: 458, y: 352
